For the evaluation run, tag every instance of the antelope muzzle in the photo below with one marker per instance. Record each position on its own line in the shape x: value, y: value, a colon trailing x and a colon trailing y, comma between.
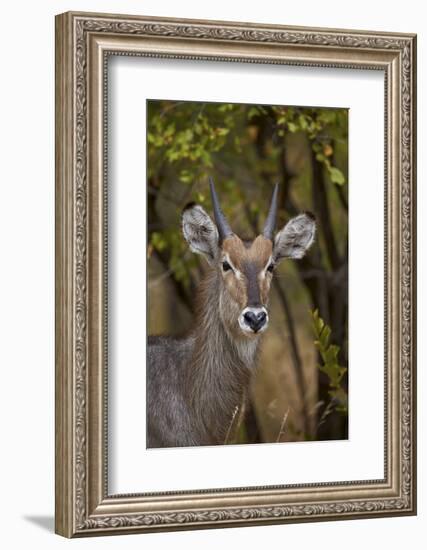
x: 253, y: 319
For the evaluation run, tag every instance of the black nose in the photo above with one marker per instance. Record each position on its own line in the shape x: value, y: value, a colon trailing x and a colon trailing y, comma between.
x: 255, y: 320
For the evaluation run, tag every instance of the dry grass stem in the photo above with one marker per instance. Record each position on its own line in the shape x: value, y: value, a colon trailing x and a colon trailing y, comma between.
x: 282, y: 426
x: 236, y: 410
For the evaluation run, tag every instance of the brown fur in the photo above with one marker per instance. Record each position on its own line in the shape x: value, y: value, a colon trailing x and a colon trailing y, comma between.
x: 256, y: 255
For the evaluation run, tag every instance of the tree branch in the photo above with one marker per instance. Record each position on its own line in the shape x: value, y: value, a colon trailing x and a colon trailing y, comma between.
x: 321, y: 210
x: 296, y: 359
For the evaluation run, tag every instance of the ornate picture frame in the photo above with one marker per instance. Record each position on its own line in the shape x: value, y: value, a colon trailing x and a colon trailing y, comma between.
x: 83, y: 43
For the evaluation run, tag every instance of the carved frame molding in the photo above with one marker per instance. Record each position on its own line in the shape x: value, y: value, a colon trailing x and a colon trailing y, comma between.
x: 83, y: 43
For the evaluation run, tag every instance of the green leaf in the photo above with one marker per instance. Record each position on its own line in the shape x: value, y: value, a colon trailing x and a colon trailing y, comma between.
x: 324, y: 336
x: 303, y: 122
x: 170, y: 130
x: 185, y: 176
x: 331, y: 367
x: 336, y: 175
x: 342, y: 400
x: 318, y: 323
x: 253, y: 112
x: 158, y: 241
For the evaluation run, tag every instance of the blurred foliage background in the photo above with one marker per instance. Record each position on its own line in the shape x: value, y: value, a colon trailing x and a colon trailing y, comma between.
x: 301, y: 387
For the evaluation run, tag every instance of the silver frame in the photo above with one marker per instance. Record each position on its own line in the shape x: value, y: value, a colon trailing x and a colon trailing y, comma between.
x: 83, y: 43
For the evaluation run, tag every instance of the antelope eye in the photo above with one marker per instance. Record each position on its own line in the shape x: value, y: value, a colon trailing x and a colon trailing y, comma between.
x: 270, y: 267
x: 226, y: 266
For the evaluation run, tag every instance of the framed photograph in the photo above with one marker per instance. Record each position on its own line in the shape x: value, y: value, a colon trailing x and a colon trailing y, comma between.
x: 235, y: 274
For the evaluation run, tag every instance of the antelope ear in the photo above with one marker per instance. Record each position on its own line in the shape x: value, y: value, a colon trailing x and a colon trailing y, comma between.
x: 200, y: 231
x: 295, y: 238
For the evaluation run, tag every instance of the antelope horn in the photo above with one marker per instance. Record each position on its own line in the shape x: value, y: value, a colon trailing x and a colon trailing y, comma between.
x: 270, y: 222
x: 224, y: 230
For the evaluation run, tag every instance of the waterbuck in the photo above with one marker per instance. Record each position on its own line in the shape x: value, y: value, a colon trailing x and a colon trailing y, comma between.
x: 195, y: 383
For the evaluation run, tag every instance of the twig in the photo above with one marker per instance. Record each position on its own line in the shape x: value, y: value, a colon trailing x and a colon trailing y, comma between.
x: 157, y: 280
x: 282, y: 426
x: 196, y: 115
x: 170, y: 107
x: 327, y: 411
x: 167, y: 273
x: 236, y: 410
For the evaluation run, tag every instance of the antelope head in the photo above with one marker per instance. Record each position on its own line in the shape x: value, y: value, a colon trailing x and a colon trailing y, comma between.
x: 245, y: 267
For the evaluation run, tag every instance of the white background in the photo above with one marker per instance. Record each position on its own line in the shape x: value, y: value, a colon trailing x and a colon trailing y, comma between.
x: 132, y: 467
x: 27, y: 275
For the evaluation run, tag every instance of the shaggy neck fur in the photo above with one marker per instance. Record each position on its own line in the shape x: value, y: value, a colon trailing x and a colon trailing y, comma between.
x: 222, y: 361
